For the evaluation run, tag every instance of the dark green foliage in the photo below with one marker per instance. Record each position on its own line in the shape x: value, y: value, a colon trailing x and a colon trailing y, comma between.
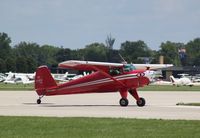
x: 10, y: 63
x: 63, y: 54
x: 26, y: 57
x: 2, y: 65
x: 5, y: 48
x: 132, y: 50
x: 21, y: 64
x: 193, y: 52
x: 170, y: 52
x: 47, y: 55
x: 95, y: 52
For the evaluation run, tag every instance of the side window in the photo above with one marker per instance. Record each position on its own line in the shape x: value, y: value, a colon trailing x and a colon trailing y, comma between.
x: 115, y: 71
x: 128, y: 68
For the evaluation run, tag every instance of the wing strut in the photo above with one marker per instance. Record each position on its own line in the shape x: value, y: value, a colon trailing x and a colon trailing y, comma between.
x: 109, y: 76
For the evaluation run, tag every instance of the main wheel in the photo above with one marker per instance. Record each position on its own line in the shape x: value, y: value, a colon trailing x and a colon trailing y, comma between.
x: 38, y: 101
x: 141, y: 102
x: 123, y: 102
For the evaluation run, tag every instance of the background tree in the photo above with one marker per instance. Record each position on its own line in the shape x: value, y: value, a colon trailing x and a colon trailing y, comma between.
x: 132, y: 50
x: 5, y: 48
x: 63, y: 54
x: 26, y: 57
x: 155, y: 57
x: 95, y: 52
x: 110, y: 42
x: 31, y: 65
x: 5, y: 52
x: 21, y: 65
x: 193, y: 52
x: 3, y: 68
x: 10, y: 63
x: 111, y: 54
x: 48, y: 55
x: 78, y: 54
x: 26, y: 52
x: 170, y: 52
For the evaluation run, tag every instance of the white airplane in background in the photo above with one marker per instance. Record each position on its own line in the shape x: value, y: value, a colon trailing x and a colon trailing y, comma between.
x: 152, y: 70
x: 61, y: 78
x: 153, y: 75
x: 181, y: 81
x: 2, y: 77
x: 10, y: 78
x: 152, y: 66
x: 161, y: 82
x: 14, y: 78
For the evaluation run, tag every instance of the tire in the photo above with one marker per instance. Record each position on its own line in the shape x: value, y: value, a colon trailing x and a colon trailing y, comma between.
x: 123, y: 102
x: 141, y: 102
x: 38, y: 101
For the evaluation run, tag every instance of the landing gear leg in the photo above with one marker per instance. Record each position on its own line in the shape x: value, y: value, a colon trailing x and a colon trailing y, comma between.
x: 139, y: 100
x: 39, y: 100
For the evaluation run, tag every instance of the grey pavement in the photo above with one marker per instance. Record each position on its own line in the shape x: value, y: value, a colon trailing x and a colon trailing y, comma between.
x: 159, y: 105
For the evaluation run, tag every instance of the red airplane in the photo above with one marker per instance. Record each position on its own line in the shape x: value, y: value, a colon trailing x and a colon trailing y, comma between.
x: 107, y: 77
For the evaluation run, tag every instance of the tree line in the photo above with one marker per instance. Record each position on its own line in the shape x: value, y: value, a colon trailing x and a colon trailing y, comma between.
x: 26, y: 57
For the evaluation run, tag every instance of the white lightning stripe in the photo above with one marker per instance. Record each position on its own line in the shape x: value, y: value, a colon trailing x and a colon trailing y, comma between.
x: 103, y: 80
x: 89, y: 83
x: 127, y: 78
x: 127, y: 75
x: 123, y: 77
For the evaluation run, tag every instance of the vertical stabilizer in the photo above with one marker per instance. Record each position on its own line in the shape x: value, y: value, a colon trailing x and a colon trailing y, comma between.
x: 43, y: 80
x: 172, y: 79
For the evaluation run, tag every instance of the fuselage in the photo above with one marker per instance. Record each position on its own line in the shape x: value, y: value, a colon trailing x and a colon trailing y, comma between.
x: 98, y: 82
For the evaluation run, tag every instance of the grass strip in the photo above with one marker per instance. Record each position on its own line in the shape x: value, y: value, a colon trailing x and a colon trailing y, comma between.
x: 189, y: 104
x: 51, y: 127
x: 168, y: 88
x: 16, y: 87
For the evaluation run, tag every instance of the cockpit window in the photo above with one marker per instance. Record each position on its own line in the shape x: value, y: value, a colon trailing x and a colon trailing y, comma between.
x: 128, y: 68
x: 115, y: 71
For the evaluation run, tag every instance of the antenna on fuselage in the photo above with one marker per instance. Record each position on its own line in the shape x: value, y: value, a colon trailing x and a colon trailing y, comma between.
x: 124, y: 61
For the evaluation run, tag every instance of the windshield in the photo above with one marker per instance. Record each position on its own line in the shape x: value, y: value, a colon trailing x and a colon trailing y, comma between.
x: 128, y: 68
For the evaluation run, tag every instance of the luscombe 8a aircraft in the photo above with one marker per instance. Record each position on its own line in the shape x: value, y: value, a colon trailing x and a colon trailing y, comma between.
x: 106, y: 77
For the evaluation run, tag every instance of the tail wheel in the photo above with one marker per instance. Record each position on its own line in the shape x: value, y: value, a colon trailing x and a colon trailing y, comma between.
x: 123, y: 102
x: 141, y: 102
x: 38, y: 101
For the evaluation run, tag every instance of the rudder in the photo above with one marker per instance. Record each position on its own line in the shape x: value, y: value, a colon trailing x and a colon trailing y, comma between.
x: 172, y: 79
x: 43, y: 80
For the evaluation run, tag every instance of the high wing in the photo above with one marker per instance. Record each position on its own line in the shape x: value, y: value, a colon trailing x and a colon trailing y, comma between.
x: 89, y: 65
x: 152, y: 66
x: 105, y: 66
x: 102, y: 67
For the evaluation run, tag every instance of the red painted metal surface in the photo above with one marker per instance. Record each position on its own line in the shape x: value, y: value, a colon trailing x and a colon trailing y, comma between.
x: 96, y: 82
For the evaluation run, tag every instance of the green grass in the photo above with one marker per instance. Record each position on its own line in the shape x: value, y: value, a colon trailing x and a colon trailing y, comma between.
x: 169, y: 88
x: 16, y: 87
x: 96, y: 127
x: 189, y: 104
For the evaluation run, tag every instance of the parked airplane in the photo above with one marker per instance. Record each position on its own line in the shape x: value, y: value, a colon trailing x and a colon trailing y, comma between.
x: 61, y: 78
x: 108, y: 77
x: 14, y: 78
x: 181, y: 81
x: 2, y: 77
x: 161, y: 82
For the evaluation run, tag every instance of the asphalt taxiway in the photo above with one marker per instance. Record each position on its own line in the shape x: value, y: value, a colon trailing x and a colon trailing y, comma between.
x: 159, y: 105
